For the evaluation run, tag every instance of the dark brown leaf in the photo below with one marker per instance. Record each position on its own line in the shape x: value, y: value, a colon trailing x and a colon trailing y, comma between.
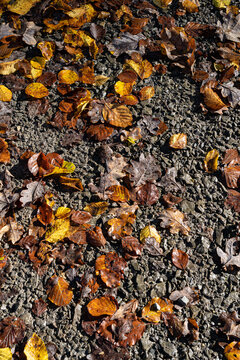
x: 147, y: 194
x: 179, y: 259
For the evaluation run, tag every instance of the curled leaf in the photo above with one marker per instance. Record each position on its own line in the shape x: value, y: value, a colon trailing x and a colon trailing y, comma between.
x: 211, y: 161
x: 178, y: 141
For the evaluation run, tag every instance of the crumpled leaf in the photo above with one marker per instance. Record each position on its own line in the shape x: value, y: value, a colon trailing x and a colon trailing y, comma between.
x: 5, y: 93
x: 11, y: 331
x: 213, y: 101
x: 178, y: 141
x: 105, y: 305
x: 35, y: 349
x: 34, y: 191
x: 131, y: 247
x: 59, y: 293
x: 230, y: 28
x: 174, y: 220
x: 231, y: 256
x: 177, y: 328
x: 126, y: 43
x: 211, y: 161
x: 15, y: 231
x: 146, y: 93
x: 118, y: 193
x: 110, y: 267
x: 146, y: 169
x: 231, y: 92
x: 231, y: 323
x: 220, y: 4
x: 163, y: 4
x: 232, y: 351
x: 152, y: 312
x: 7, y: 201
x: 121, y: 226
x: 97, y: 208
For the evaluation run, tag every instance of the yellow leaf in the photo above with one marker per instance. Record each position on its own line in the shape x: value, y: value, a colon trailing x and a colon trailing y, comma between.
x: 144, y: 69
x: 211, y: 161
x: 68, y: 77
x: 5, y: 93
x: 35, y: 349
x: 123, y: 88
x: 60, y: 294
x: 22, y: 7
x: 86, y: 11
x: 152, y: 311
x: 9, y: 67
x: 58, y: 231
x: 149, y: 231
x: 100, y: 80
x: 190, y: 5
x: 36, y: 90
x: 62, y: 212
x: 97, y: 208
x: 47, y: 49
x: 178, y: 141
x: 232, y: 351
x: 67, y: 168
x: 220, y: 4
x: 38, y: 62
x: 5, y: 354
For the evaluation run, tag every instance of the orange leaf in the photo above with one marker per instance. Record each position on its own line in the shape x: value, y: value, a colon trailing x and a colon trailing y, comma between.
x: 73, y: 183
x: 67, y: 77
x: 4, y: 153
x: 232, y: 351
x: 147, y: 92
x: 66, y: 106
x: 117, y: 115
x: 213, y: 101
x: 178, y: 141
x: 36, y: 90
x: 3, y: 259
x: 121, y: 226
x: 118, y: 193
x: 45, y: 214
x: 190, y: 5
x: 99, y: 132
x: 47, y: 49
x: 128, y: 76
x: 111, y: 269
x: 105, y: 305
x: 128, y: 99
x: 179, y: 259
x: 143, y: 69
x: 59, y: 294
x: 153, y: 310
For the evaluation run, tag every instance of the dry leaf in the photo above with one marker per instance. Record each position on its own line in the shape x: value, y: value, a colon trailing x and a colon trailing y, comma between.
x: 22, y: 7
x: 123, y: 88
x: 178, y: 141
x: 110, y: 267
x: 68, y: 77
x: 213, y: 101
x: 105, y: 305
x: 231, y: 323
x: 117, y: 115
x: 59, y: 293
x: 11, y: 331
x: 146, y: 169
x: 231, y: 256
x: 174, y: 220
x: 211, y: 161
x: 35, y: 349
x: 4, y: 153
x: 179, y: 259
x: 233, y: 200
x: 36, y: 90
x: 149, y: 232
x: 132, y: 247
x: 189, y: 295
x: 152, y: 312
x: 5, y: 93
x: 97, y: 208
x: 162, y: 3
x: 118, y: 193
x: 5, y: 354
x: 143, y: 69
x: 73, y: 183
x: 147, y: 194
x: 232, y: 351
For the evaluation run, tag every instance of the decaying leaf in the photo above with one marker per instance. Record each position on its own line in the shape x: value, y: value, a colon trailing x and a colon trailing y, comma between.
x: 231, y: 256
x: 213, y: 101
x: 147, y: 194
x: 22, y: 7
x: 97, y: 208
x: 179, y: 258
x: 58, y: 231
x: 178, y: 141
x: 146, y: 169
x: 231, y: 324
x: 211, y: 161
x: 11, y: 331
x: 95, y: 237
x: 105, y: 305
x: 4, y: 153
x: 186, y: 296
x: 162, y: 3
x: 131, y: 247
x: 233, y: 200
x: 231, y: 169
x: 168, y: 181
x: 121, y: 226
x: 144, y: 69
x: 231, y: 92
x: 126, y: 43
x: 110, y: 267
x: 34, y: 191
x: 35, y: 349
x: 147, y: 92
x: 174, y: 220
x: 118, y: 193
x: 59, y: 293
x: 153, y: 310
x: 230, y: 28
x: 39, y: 307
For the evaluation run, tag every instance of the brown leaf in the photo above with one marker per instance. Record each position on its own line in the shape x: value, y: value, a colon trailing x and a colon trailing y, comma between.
x: 132, y: 247
x: 117, y: 115
x: 89, y: 284
x: 213, y: 101
x: 129, y: 308
x: 97, y: 31
x: 99, y: 132
x: 147, y: 194
x: 11, y: 331
x: 231, y: 257
x: 45, y: 214
x: 175, y: 221
x: 179, y: 259
x: 128, y: 76
x: 178, y: 141
x: 233, y: 200
x: 105, y: 305
x: 110, y: 267
x: 80, y: 217
x: 121, y: 226
x: 231, y: 324
x: 35, y: 190
x: 95, y: 237
x: 170, y: 200
x: 146, y: 169
x: 72, y: 183
x: 39, y: 307
x: 189, y: 295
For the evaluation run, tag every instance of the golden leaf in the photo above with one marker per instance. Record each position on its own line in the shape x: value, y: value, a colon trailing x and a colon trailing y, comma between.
x: 143, y: 69
x: 68, y: 77
x: 22, y: 7
x: 97, y: 208
x: 211, y: 161
x: 47, y: 49
x: 4, y: 153
x: 58, y: 231
x: 66, y: 168
x: 190, y: 5
x: 36, y: 90
x: 162, y: 3
x: 149, y: 232
x: 60, y: 294
x: 178, y: 141
x: 5, y: 93
x: 35, y: 349
x: 74, y: 183
x: 147, y: 92
x: 221, y: 4
x: 9, y: 67
x: 62, y: 212
x: 117, y: 115
x: 232, y: 351
x: 86, y: 12
x: 123, y: 88
x: 118, y: 193
x: 213, y: 101
x: 100, y: 80
x: 105, y: 305
x: 5, y: 354
x: 153, y: 310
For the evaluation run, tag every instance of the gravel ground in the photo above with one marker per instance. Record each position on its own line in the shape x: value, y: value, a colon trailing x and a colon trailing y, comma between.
x: 176, y: 102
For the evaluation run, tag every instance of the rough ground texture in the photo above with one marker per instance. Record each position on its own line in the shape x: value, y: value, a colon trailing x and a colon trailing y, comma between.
x: 176, y: 102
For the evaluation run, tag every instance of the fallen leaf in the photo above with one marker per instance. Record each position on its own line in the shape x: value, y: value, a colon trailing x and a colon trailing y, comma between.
x: 146, y: 93
x: 68, y: 77
x: 39, y: 307
x: 36, y: 90
x: 174, y: 220
x: 22, y: 7
x: 95, y: 237
x: 97, y: 208
x: 170, y: 200
x: 147, y: 194
x: 232, y: 351
x: 189, y: 295
x: 231, y: 256
x: 233, y: 200
x: 59, y: 293
x: 35, y: 349
x: 179, y: 259
x: 5, y: 354
x: 118, y: 193
x: 128, y: 76
x: 131, y: 247
x: 35, y: 190
x: 213, y: 101
x: 149, y: 232
x: 152, y: 312
x: 123, y: 88
x: 162, y: 3
x: 143, y: 69
x: 110, y: 267
x: 105, y: 305
x: 4, y: 153
x: 5, y: 93
x: 211, y: 161
x: 11, y: 331
x: 146, y: 169
x: 231, y: 324
x: 230, y: 28
x: 168, y: 181
x: 125, y: 43
x: 3, y: 258
x: 73, y: 183
x: 117, y: 115
x: 58, y: 231
x: 45, y: 214
x: 178, y: 141
x: 220, y: 4
x: 231, y: 92
x: 121, y: 226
